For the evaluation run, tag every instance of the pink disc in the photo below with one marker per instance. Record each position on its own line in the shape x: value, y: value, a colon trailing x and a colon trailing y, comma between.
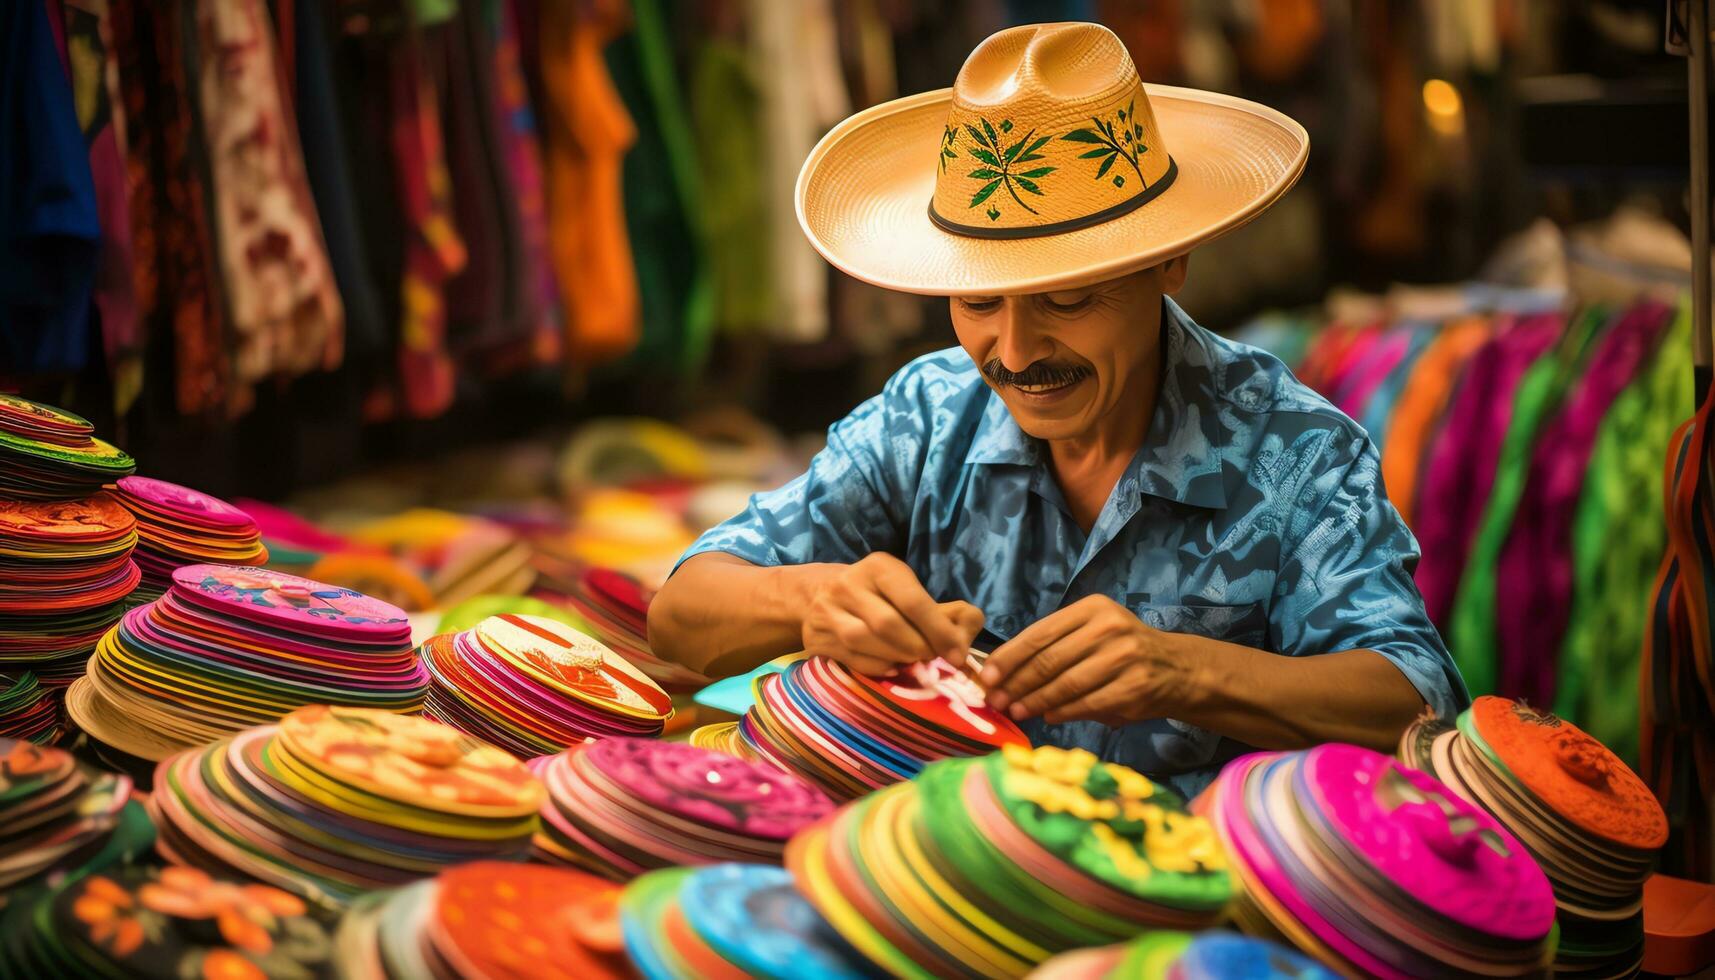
x: 1442, y: 850
x: 191, y: 506
x: 711, y: 787
x: 290, y: 603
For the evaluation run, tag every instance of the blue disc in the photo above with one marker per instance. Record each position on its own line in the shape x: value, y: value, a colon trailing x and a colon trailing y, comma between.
x: 755, y: 919
x: 1229, y: 956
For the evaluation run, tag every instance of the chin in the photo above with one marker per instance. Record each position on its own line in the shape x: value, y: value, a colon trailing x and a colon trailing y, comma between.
x: 1062, y: 417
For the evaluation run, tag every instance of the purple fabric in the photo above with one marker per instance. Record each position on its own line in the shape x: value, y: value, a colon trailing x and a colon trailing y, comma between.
x: 1366, y: 375
x: 1460, y: 468
x: 1534, y: 573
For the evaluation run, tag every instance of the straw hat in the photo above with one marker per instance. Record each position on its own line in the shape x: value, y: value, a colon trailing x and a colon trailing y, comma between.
x: 1047, y: 165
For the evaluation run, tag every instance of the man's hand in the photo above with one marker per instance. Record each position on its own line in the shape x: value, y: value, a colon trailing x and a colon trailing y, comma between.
x: 1093, y: 660
x: 874, y: 615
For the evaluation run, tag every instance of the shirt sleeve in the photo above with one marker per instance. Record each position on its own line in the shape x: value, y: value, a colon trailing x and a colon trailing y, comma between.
x: 854, y: 499
x: 1346, y: 584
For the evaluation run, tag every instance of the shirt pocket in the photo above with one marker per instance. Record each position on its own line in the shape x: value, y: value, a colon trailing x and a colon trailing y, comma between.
x: 1245, y: 624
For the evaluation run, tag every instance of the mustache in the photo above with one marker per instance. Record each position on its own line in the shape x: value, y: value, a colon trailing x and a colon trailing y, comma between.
x: 1038, y: 373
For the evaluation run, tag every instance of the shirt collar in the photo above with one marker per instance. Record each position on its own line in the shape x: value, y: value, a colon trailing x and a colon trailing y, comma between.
x: 1182, y: 455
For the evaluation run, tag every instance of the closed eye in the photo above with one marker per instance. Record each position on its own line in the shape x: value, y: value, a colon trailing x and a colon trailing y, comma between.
x: 1071, y: 307
x: 980, y: 304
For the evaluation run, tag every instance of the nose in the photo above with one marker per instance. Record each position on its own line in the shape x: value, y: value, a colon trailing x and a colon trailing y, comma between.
x: 1020, y: 341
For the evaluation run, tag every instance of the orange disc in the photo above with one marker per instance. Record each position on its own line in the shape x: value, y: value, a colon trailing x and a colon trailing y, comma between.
x: 499, y: 919
x: 1572, y: 773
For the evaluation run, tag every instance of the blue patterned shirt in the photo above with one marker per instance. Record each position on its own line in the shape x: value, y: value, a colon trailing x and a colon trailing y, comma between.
x: 1254, y: 513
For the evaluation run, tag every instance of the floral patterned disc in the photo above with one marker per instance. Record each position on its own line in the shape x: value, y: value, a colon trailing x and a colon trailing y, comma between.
x: 710, y: 787
x: 178, y: 922
x: 287, y: 602
x: 412, y: 760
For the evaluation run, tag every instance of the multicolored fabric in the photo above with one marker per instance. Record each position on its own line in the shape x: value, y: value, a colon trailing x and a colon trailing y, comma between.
x: 1253, y: 514
x: 1421, y: 405
x: 1459, y: 470
x: 286, y: 317
x: 101, y: 114
x: 1471, y: 625
x: 1618, y: 537
x: 1378, y: 407
x: 49, y: 230
x: 1533, y: 573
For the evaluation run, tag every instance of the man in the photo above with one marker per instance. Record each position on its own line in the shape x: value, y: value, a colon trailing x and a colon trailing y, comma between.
x: 1181, y: 552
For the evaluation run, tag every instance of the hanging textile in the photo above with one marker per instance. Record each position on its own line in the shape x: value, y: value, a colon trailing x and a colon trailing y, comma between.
x: 1470, y: 629
x: 177, y: 269
x: 663, y: 199
x: 1422, y: 402
x: 329, y: 168
x: 1459, y: 469
x: 539, y: 310
x: 803, y: 95
x: 49, y: 229
x: 1618, y: 539
x: 483, y: 298
x: 587, y: 132
x: 434, y: 251
x: 285, y: 313
x: 1533, y: 572
x: 726, y: 110
x: 101, y: 114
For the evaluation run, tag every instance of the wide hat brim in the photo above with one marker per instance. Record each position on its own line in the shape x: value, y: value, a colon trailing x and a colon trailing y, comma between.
x: 863, y: 198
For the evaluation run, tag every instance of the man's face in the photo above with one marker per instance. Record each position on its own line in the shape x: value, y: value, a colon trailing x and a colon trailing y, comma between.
x: 1067, y: 360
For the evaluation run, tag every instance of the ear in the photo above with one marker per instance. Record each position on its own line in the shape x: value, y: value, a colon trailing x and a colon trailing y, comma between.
x: 1173, y: 273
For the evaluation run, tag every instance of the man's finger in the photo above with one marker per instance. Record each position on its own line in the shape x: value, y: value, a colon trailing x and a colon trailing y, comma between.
x: 1031, y: 640
x: 867, y: 665
x: 899, y: 586
x: 890, y: 637
x: 1083, y: 678
x: 969, y: 619
x: 1103, y: 704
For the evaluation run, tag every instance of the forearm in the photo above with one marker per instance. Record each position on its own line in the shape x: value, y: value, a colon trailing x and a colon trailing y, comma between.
x: 1277, y: 702
x: 720, y: 615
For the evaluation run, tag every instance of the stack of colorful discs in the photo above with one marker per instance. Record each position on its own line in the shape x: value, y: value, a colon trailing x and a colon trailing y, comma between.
x: 1167, y: 955
x: 230, y: 647
x: 65, y: 569
x: 332, y: 802
x: 165, y: 924
x: 50, y: 454
x: 1589, y: 821
x: 178, y: 526
x: 28, y: 710
x: 851, y: 734
x: 56, y: 816
x: 731, y: 920
x: 534, y: 686
x: 622, y: 806
x: 1376, y: 869
x: 721, y: 736
x: 615, y: 610
x: 987, y: 867
x: 487, y: 920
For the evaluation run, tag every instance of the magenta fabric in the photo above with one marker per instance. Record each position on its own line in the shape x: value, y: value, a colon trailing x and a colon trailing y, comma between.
x: 1534, y: 573
x: 1459, y: 470
x: 1366, y: 375
x: 1341, y: 369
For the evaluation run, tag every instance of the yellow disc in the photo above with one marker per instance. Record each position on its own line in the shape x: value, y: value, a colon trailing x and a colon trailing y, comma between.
x: 412, y: 760
x: 574, y: 664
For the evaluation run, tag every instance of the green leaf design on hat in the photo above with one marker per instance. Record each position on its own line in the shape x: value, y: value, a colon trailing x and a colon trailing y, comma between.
x: 1111, y: 143
x: 949, y: 137
x: 999, y: 159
